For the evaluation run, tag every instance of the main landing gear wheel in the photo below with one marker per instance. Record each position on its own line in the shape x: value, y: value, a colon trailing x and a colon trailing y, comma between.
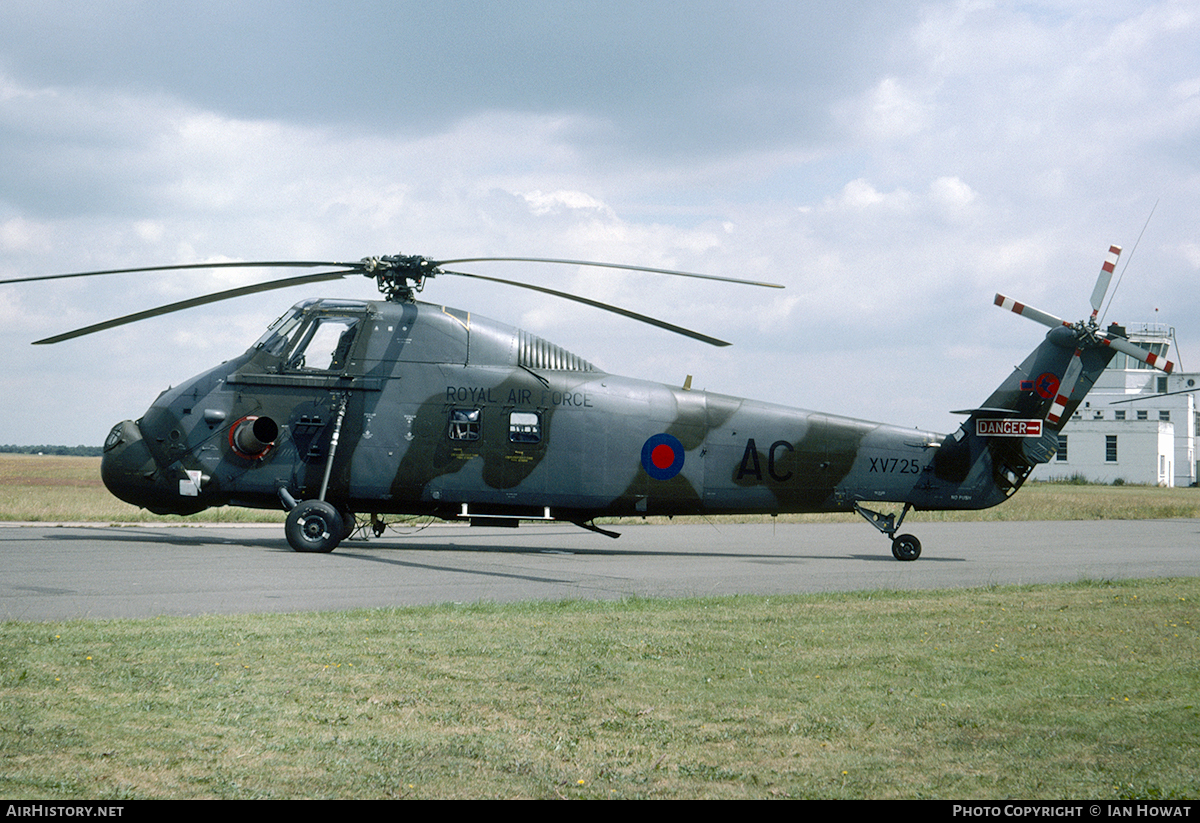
x: 906, y: 547
x: 349, y: 522
x: 314, y: 526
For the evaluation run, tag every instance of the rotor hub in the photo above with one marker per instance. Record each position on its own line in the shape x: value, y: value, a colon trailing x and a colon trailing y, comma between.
x: 399, y: 276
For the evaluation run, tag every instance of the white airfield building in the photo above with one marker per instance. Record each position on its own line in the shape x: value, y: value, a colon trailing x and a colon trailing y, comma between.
x: 1137, y: 425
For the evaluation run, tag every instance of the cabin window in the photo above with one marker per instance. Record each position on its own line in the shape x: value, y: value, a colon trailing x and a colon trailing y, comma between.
x: 525, y: 427
x: 465, y: 424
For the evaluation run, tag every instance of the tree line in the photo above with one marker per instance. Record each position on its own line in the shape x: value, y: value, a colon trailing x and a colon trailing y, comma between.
x: 73, y: 451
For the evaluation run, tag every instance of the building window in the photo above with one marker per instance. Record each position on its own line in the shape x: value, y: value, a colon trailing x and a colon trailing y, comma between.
x: 1120, y: 415
x: 1162, y: 385
x: 1164, y: 414
x: 1110, y: 448
x: 1098, y: 415
x: 1061, y: 455
x: 465, y: 424
x: 1143, y: 415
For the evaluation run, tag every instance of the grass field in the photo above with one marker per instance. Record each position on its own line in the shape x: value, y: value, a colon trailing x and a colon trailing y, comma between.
x: 1081, y: 691
x: 1090, y: 690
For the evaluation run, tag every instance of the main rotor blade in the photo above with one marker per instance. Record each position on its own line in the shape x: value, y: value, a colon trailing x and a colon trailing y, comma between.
x: 198, y: 301
x: 1153, y: 396
x: 1104, y: 278
x: 399, y: 269
x: 1037, y: 315
x: 662, y: 324
x: 606, y: 266
x: 252, y: 264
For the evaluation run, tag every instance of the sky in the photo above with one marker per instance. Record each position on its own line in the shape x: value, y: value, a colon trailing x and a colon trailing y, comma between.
x: 894, y: 165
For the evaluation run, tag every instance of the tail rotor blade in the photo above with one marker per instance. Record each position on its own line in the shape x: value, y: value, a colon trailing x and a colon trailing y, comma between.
x: 1138, y: 353
x: 1065, y: 387
x: 1104, y: 278
x: 1037, y: 315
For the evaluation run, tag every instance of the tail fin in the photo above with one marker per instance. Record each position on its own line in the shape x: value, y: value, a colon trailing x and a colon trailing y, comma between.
x: 1017, y: 427
x: 1052, y: 381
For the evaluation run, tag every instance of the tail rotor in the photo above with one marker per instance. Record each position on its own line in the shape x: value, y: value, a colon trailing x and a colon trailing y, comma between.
x: 1086, y: 334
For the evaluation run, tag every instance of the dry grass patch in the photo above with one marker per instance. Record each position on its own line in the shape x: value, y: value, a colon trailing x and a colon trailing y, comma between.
x: 61, y: 489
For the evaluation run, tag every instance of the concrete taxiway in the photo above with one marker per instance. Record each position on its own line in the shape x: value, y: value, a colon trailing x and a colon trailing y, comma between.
x: 63, y: 572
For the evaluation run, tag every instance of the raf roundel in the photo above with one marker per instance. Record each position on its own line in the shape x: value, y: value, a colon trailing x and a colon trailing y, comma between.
x: 1046, y: 385
x: 662, y: 456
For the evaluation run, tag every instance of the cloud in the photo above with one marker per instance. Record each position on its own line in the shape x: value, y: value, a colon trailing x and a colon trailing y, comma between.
x: 716, y: 78
x: 893, y: 112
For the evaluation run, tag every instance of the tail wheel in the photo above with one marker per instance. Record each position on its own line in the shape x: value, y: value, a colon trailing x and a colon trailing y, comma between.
x: 314, y: 526
x: 906, y: 547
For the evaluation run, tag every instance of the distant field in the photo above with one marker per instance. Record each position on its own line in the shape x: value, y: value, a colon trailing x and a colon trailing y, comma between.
x: 51, y: 489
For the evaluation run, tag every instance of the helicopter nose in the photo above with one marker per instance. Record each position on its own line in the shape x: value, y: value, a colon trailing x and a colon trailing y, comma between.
x: 127, y: 467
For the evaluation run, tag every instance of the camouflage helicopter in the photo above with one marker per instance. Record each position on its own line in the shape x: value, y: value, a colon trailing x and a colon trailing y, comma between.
x: 347, y: 408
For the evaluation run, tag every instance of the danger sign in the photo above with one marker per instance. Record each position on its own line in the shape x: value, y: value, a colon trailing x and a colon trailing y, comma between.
x: 1009, y: 428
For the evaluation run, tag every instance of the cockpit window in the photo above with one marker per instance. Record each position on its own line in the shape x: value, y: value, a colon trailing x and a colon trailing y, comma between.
x: 275, y: 340
x: 324, y: 344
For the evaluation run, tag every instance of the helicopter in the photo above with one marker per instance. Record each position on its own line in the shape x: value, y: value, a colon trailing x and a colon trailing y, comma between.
x: 348, y: 411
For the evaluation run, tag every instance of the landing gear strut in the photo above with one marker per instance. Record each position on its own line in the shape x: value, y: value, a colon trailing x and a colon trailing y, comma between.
x: 317, y: 525
x: 904, y: 547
